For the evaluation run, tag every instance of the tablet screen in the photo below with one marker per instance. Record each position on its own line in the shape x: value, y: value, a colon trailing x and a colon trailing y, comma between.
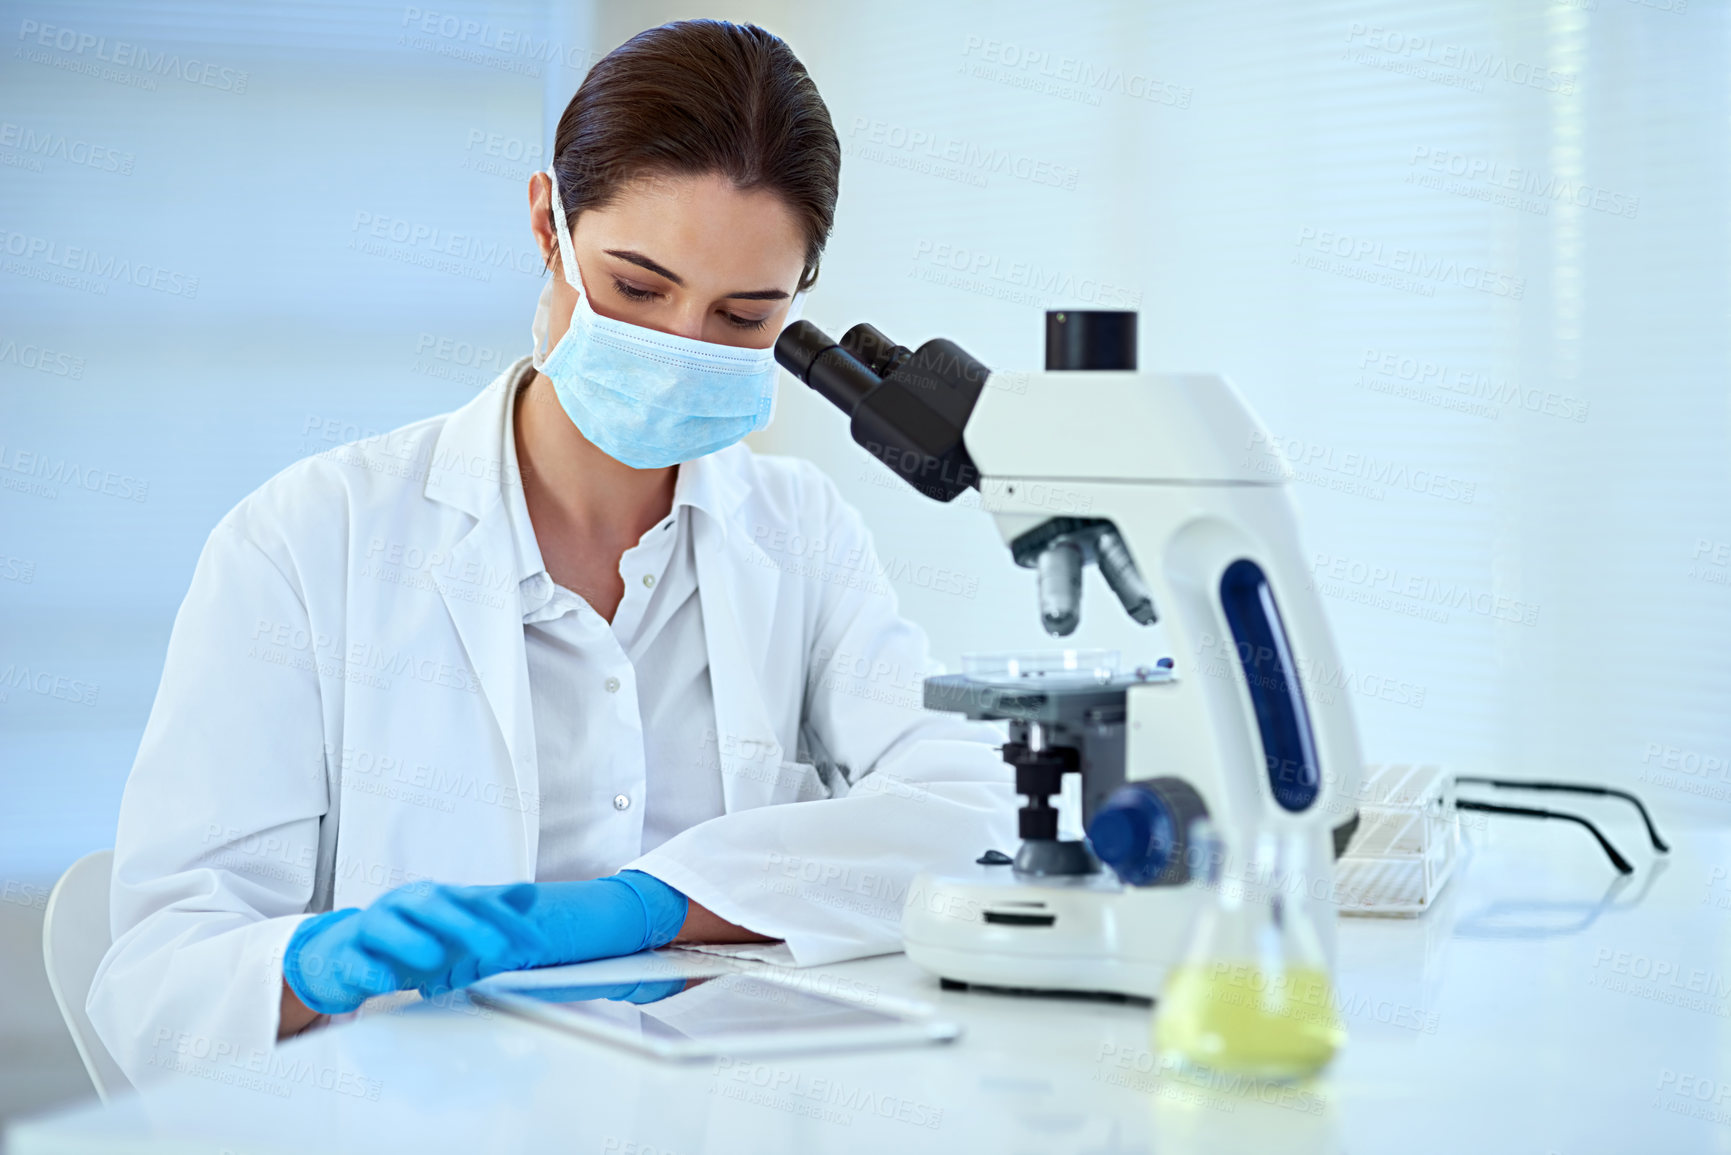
x: 711, y: 1006
x: 731, y: 1013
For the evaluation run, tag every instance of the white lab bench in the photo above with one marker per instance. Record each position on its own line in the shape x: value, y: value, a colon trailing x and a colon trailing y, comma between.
x: 1544, y: 1006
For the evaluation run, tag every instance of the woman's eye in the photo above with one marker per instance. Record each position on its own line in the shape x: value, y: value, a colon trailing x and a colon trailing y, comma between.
x: 744, y: 322
x: 631, y: 292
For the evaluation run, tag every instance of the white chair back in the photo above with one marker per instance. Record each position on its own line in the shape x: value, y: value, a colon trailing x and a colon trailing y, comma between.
x: 75, y: 936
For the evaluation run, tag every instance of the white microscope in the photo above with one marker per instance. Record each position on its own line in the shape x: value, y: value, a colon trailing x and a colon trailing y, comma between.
x: 1189, y: 520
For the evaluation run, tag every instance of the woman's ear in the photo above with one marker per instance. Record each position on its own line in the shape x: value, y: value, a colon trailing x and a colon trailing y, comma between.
x: 541, y: 218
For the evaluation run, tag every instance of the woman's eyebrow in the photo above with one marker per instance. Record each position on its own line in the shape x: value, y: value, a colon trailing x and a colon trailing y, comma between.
x: 644, y: 262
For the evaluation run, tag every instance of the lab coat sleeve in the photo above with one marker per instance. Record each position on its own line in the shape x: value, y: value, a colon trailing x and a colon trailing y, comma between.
x: 920, y: 790
x: 215, y: 852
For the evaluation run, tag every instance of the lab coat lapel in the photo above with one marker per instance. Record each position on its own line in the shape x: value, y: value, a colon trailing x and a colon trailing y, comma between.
x: 738, y: 587
x: 465, y: 472
x: 492, y: 636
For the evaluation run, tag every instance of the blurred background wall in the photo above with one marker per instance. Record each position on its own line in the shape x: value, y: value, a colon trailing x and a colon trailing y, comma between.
x: 1469, y: 260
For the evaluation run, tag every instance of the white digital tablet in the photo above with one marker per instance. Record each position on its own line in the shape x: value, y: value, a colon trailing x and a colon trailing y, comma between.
x: 722, y: 1012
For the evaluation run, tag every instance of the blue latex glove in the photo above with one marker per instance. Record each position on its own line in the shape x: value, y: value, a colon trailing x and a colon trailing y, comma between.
x: 439, y: 938
x: 429, y: 937
x: 600, y: 918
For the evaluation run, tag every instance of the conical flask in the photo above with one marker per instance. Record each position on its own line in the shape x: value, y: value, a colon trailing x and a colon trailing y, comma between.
x: 1252, y: 995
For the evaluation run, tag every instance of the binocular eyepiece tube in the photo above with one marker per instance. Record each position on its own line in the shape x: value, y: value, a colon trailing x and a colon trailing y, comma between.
x: 844, y: 371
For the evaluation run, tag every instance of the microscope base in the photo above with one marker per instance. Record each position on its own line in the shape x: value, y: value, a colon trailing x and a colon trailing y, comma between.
x: 1086, y: 935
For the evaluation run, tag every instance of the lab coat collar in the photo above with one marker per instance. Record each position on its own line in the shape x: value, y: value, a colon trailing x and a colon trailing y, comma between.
x: 471, y: 466
x: 702, y: 484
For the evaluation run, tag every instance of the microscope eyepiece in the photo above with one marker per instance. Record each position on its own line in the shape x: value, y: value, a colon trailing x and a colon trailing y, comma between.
x: 815, y: 358
x: 799, y: 345
x: 906, y: 409
x: 874, y: 350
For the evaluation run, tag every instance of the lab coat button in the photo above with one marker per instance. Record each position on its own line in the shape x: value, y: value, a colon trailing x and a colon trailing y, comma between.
x: 649, y: 580
x: 621, y: 802
x: 612, y: 685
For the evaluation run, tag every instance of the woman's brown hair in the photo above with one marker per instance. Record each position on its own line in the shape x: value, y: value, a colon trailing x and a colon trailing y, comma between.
x: 698, y: 97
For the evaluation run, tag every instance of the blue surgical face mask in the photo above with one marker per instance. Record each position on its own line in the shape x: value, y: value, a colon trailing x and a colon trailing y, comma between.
x: 647, y: 398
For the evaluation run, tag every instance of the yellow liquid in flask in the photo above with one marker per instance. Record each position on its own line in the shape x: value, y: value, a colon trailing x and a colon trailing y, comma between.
x: 1236, y: 1018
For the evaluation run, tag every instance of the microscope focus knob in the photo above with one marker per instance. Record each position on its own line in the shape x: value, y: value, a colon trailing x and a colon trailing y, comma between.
x: 1141, y: 831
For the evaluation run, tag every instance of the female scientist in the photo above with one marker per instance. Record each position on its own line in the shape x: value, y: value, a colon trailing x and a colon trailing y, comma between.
x: 569, y: 672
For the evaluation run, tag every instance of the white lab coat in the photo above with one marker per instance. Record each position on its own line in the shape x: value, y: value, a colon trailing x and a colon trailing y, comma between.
x: 345, y: 707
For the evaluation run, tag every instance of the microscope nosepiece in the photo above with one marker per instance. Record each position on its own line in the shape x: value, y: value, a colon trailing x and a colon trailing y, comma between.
x: 1059, y: 570
x: 1119, y: 570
